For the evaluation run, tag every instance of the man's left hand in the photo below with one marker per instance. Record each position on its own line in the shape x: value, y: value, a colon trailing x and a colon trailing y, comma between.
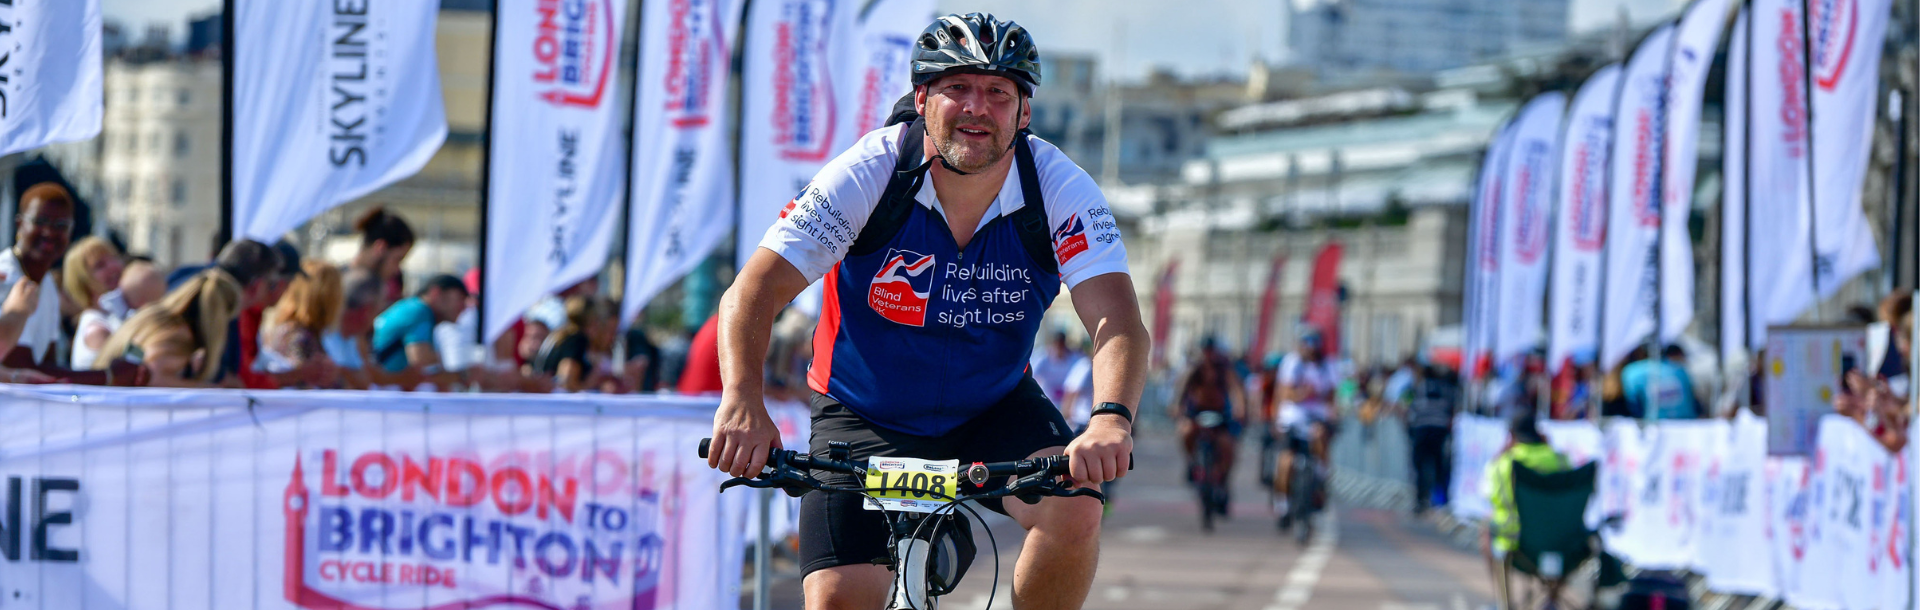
x: 1103, y: 453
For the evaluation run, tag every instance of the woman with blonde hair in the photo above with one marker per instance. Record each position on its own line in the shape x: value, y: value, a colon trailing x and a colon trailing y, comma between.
x: 91, y: 270
x: 180, y: 338
x: 293, y: 330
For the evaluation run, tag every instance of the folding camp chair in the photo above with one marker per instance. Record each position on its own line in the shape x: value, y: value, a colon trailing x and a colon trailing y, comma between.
x: 1554, y: 539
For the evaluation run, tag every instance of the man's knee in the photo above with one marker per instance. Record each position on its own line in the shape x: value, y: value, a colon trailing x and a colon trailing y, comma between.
x: 1069, y: 520
x: 849, y: 587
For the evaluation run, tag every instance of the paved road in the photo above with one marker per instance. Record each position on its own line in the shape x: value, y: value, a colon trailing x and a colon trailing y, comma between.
x: 1154, y: 556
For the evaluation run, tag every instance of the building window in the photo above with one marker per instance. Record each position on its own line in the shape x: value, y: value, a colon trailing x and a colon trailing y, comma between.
x: 153, y: 142
x: 125, y: 189
x: 176, y: 245
x: 186, y: 96
x: 179, y: 192
x: 133, y: 94
x: 180, y: 144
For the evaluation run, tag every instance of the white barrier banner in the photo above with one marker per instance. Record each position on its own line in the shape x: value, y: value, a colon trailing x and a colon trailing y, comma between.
x: 332, y: 100
x: 1476, y: 441
x: 350, y: 500
x: 1828, y: 531
x: 53, y: 86
x: 1733, y: 551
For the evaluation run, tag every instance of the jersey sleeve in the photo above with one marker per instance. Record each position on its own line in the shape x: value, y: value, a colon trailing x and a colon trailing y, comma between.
x: 1086, y: 240
x: 816, y: 228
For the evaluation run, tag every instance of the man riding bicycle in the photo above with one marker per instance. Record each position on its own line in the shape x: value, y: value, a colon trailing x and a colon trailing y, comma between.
x: 941, y: 242
x: 1306, y: 417
x: 1211, y: 384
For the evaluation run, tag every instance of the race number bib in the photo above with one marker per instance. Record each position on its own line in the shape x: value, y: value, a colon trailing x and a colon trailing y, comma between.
x: 911, y: 485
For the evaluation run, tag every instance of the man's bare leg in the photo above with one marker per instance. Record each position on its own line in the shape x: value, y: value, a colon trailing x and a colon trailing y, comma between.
x: 851, y: 587
x: 1056, y: 565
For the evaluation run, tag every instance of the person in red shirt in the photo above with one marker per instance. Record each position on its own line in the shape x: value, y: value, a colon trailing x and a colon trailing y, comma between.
x: 702, y: 373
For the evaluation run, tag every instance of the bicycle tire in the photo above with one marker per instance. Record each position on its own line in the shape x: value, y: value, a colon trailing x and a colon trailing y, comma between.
x: 1203, y: 482
x: 1300, y: 497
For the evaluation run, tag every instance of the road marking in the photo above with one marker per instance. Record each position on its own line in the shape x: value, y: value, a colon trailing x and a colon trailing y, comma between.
x: 1144, y: 534
x: 1306, y: 571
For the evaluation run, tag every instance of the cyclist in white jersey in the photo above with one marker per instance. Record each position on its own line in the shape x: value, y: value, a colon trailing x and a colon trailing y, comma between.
x: 1306, y: 414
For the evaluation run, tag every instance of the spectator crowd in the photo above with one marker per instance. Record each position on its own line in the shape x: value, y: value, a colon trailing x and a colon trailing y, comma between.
x: 262, y: 316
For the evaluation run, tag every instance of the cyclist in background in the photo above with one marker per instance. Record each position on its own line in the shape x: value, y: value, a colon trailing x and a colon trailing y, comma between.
x: 1210, y: 384
x: 1306, y: 417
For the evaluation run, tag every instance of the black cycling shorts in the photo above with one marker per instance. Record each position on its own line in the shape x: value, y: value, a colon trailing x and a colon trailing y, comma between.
x: 835, y: 530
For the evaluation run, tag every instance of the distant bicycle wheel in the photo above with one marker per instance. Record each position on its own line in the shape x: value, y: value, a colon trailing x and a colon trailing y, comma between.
x: 1203, y: 479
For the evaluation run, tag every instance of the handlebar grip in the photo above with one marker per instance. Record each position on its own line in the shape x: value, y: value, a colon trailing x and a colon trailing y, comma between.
x: 704, y: 444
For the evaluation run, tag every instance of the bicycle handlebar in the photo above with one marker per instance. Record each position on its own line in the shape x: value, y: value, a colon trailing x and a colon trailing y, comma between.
x: 1035, y: 477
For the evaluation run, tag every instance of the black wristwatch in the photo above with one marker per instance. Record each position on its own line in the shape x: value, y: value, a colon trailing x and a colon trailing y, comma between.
x: 1114, y: 408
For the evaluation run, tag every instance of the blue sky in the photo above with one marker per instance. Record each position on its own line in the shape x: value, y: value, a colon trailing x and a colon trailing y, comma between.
x: 1187, y: 35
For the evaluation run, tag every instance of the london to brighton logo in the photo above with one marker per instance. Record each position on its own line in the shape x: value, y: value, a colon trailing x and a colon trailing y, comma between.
x: 1069, y: 239
x: 1588, y: 219
x: 573, y: 51
x: 1531, y: 234
x: 695, y: 52
x: 1835, y: 26
x: 385, y: 530
x: 803, y: 104
x: 901, y: 289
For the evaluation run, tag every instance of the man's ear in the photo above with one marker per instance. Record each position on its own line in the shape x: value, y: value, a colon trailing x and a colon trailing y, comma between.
x: 1026, y: 112
x: 920, y: 100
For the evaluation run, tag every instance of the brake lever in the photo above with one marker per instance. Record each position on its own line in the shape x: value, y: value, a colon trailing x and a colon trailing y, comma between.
x: 794, y: 488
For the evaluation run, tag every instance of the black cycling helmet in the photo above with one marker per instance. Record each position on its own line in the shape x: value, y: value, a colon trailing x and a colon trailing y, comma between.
x: 980, y: 44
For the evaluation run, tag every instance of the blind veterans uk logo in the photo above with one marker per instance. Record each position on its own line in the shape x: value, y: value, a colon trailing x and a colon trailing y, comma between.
x: 696, y: 52
x: 573, y: 51
x: 385, y: 530
x: 803, y: 104
x: 903, y: 286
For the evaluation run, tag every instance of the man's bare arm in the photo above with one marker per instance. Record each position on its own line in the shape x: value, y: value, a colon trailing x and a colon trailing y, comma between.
x: 742, y: 430
x: 1111, y: 312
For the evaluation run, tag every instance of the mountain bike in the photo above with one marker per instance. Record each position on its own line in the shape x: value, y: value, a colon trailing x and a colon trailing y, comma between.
x: 931, y: 544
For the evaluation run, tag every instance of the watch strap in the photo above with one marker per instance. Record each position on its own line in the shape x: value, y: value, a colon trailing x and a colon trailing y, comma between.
x: 1114, y: 408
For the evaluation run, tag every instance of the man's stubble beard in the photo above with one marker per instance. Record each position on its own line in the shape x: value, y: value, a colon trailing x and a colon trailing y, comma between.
x: 967, y: 159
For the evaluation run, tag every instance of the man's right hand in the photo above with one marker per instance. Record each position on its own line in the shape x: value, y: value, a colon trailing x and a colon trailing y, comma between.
x: 743, y: 434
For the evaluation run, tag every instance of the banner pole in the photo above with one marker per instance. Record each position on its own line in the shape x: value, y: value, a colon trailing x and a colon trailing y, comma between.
x: 1813, y: 191
x: 763, y: 555
x: 486, y: 173
x: 227, y: 56
x: 1746, y: 218
x: 627, y: 244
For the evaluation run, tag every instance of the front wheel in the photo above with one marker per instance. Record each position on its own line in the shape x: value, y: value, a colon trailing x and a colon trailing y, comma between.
x: 1301, y: 495
x: 1203, y: 469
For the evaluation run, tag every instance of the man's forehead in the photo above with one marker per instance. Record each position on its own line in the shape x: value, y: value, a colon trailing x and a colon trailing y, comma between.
x: 47, y: 204
x: 975, y: 78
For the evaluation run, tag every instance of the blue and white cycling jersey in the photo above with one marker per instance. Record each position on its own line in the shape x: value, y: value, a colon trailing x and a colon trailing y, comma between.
x: 922, y: 335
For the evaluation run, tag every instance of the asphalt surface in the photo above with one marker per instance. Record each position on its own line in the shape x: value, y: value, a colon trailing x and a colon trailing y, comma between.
x: 1154, y: 555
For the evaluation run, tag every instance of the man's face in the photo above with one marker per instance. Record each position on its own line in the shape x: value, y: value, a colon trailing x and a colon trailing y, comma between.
x: 446, y: 304
x: 972, y: 118
x: 45, y: 230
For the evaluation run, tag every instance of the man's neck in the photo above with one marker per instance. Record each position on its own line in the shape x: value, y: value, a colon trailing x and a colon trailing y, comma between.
x: 970, y: 194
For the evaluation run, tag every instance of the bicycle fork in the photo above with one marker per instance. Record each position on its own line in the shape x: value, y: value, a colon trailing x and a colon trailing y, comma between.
x: 910, y: 575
